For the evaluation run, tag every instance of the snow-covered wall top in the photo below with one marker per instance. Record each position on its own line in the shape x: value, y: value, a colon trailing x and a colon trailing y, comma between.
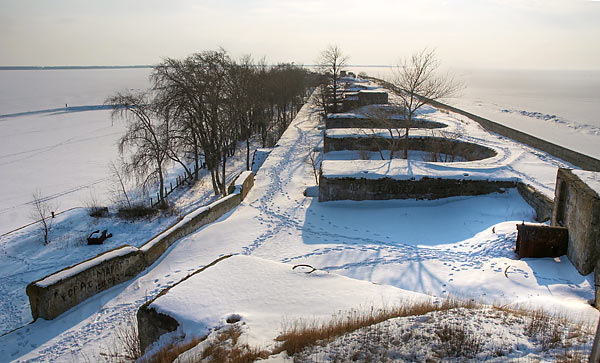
x: 86, y: 265
x: 369, y: 133
x: 591, y: 178
x: 401, y: 169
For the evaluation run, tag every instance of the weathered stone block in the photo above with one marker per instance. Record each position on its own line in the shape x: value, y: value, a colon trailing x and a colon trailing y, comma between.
x: 152, y: 324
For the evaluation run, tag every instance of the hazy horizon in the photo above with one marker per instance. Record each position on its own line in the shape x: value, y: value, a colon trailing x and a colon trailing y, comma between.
x: 486, y: 34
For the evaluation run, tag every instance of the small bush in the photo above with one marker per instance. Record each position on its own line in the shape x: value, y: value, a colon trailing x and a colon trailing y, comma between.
x: 136, y: 211
x: 98, y: 212
x: 94, y: 208
x: 126, y: 347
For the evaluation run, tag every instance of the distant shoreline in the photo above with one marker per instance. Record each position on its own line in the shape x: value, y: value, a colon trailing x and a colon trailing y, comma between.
x: 42, y: 68
x: 38, y: 68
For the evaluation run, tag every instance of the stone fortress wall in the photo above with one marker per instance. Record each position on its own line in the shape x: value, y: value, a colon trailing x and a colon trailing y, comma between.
x: 60, y: 291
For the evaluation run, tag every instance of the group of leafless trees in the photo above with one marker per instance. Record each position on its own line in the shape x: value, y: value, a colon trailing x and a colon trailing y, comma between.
x: 200, y: 108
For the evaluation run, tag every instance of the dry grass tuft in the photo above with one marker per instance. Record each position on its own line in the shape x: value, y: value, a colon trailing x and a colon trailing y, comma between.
x: 227, y: 348
x: 458, y: 341
x: 169, y: 353
x: 301, y: 334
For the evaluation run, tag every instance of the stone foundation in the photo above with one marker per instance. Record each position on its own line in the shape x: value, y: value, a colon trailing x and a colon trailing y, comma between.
x: 539, y: 202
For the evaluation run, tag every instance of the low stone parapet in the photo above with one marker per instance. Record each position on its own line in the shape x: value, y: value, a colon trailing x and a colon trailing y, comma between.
x: 58, y: 292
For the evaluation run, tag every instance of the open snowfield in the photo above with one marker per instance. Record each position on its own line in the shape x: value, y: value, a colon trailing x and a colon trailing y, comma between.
x: 461, y: 246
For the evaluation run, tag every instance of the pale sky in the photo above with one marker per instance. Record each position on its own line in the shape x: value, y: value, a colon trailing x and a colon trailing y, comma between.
x: 526, y: 34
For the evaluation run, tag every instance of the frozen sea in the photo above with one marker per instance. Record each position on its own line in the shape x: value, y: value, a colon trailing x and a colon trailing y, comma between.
x: 562, y: 107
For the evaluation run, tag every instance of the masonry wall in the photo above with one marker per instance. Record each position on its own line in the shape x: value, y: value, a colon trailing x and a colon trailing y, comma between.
x: 467, y: 150
x: 353, y: 122
x: 542, y: 205
x: 577, y: 207
x: 387, y: 188
x: 61, y: 290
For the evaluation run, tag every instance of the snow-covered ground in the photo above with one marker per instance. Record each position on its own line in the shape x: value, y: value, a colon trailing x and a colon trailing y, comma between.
x: 461, y: 246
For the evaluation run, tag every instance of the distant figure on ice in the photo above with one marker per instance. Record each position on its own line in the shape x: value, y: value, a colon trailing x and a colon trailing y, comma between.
x: 66, y: 106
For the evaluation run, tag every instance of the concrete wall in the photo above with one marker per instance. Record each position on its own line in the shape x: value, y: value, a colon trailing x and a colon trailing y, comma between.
x: 61, y: 290
x: 387, y: 188
x: 577, y: 207
x: 466, y: 150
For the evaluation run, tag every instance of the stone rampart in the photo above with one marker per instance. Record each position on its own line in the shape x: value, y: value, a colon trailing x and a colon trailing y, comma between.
x: 156, y: 246
x: 576, y: 158
x: 60, y: 291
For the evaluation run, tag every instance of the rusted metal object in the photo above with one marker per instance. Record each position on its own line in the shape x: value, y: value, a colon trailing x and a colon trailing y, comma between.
x: 534, y: 240
x: 97, y: 240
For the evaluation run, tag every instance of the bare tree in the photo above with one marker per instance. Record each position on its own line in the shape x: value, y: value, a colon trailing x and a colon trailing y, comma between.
x: 417, y: 82
x: 43, y: 212
x: 331, y: 62
x: 144, y: 141
x: 383, y: 119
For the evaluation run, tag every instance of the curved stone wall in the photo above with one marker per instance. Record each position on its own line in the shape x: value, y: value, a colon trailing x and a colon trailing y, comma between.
x: 355, y: 122
x: 466, y: 150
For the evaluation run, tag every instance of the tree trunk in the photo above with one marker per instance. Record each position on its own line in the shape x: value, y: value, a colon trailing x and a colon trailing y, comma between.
x: 248, y: 154
x: 224, y: 182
